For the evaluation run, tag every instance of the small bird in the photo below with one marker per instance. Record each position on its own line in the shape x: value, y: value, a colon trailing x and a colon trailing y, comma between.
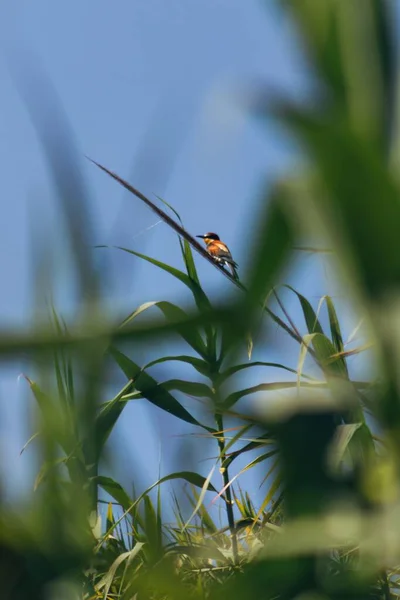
x: 220, y: 252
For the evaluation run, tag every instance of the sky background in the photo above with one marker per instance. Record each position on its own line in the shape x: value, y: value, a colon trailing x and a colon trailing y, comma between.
x: 155, y: 91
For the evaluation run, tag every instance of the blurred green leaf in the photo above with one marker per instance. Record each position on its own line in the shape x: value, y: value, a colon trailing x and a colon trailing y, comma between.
x: 355, y: 175
x: 267, y: 387
x: 107, y: 580
x: 273, y: 242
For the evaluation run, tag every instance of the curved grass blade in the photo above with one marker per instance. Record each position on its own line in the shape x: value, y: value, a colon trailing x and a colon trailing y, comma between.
x: 235, y: 369
x: 310, y: 316
x: 204, y: 489
x: 249, y: 465
x: 336, y: 333
x: 152, y: 390
x: 200, y: 365
x: 108, y: 416
x: 194, y: 287
x: 107, y: 579
x: 268, y: 387
x: 262, y: 441
x: 190, y: 388
x: 175, y: 315
x: 115, y: 490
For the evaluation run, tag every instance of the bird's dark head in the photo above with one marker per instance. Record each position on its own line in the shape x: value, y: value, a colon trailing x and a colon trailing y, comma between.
x: 209, y: 237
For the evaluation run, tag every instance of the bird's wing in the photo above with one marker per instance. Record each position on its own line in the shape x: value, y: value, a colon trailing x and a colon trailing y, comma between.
x: 224, y: 252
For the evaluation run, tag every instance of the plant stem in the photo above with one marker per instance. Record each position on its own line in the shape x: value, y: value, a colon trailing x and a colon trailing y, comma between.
x: 228, y: 493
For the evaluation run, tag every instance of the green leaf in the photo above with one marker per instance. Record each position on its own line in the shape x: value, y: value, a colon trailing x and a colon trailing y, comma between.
x: 151, y: 389
x: 189, y: 476
x: 107, y: 580
x: 188, y: 281
x: 327, y: 357
x: 266, y: 387
x: 311, y: 319
x: 174, y: 314
x: 198, y: 551
x: 153, y: 531
x: 108, y: 416
x: 177, y: 316
x: 262, y: 441
x: 205, y: 487
x: 115, y: 490
x: 341, y: 440
x: 188, y: 259
x: 46, y: 468
x: 273, y: 242
x: 34, y: 436
x: 200, y: 365
x: 232, y: 370
x: 355, y: 175
x: 354, y: 56
x: 334, y: 324
x: 191, y: 388
x: 206, y: 522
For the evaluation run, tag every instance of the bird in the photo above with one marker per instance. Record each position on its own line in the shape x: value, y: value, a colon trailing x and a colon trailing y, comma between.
x: 220, y: 252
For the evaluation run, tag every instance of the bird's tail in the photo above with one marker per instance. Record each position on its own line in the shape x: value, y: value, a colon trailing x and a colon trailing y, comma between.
x: 233, y: 267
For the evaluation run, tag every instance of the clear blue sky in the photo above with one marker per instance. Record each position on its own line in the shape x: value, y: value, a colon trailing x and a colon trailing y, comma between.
x: 151, y: 90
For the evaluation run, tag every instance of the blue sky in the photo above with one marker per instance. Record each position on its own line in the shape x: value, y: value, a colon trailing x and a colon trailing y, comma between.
x: 154, y: 91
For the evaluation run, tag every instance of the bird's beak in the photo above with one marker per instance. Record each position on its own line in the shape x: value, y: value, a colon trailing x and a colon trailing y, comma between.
x: 200, y: 236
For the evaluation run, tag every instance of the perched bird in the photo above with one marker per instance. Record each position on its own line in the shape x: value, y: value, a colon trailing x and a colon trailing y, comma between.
x: 220, y: 252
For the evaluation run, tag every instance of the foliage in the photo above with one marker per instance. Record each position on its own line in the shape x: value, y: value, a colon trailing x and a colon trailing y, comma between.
x: 325, y: 525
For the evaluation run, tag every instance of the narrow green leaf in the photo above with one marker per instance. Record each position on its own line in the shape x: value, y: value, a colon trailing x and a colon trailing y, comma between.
x: 267, y: 387
x: 189, y: 476
x: 115, y: 490
x: 232, y: 370
x: 341, y: 440
x: 106, y: 581
x: 191, y: 388
x: 311, y: 319
x: 188, y: 281
x: 327, y: 357
x: 271, y: 492
x: 45, y: 469
x: 174, y: 315
x: 151, y: 389
x: 108, y: 416
x: 205, y: 487
x: 200, y: 365
x: 197, y: 551
x: 334, y: 324
x: 152, y: 529
x: 34, y: 436
x: 206, y: 522
x: 241, y: 433
x: 261, y: 441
